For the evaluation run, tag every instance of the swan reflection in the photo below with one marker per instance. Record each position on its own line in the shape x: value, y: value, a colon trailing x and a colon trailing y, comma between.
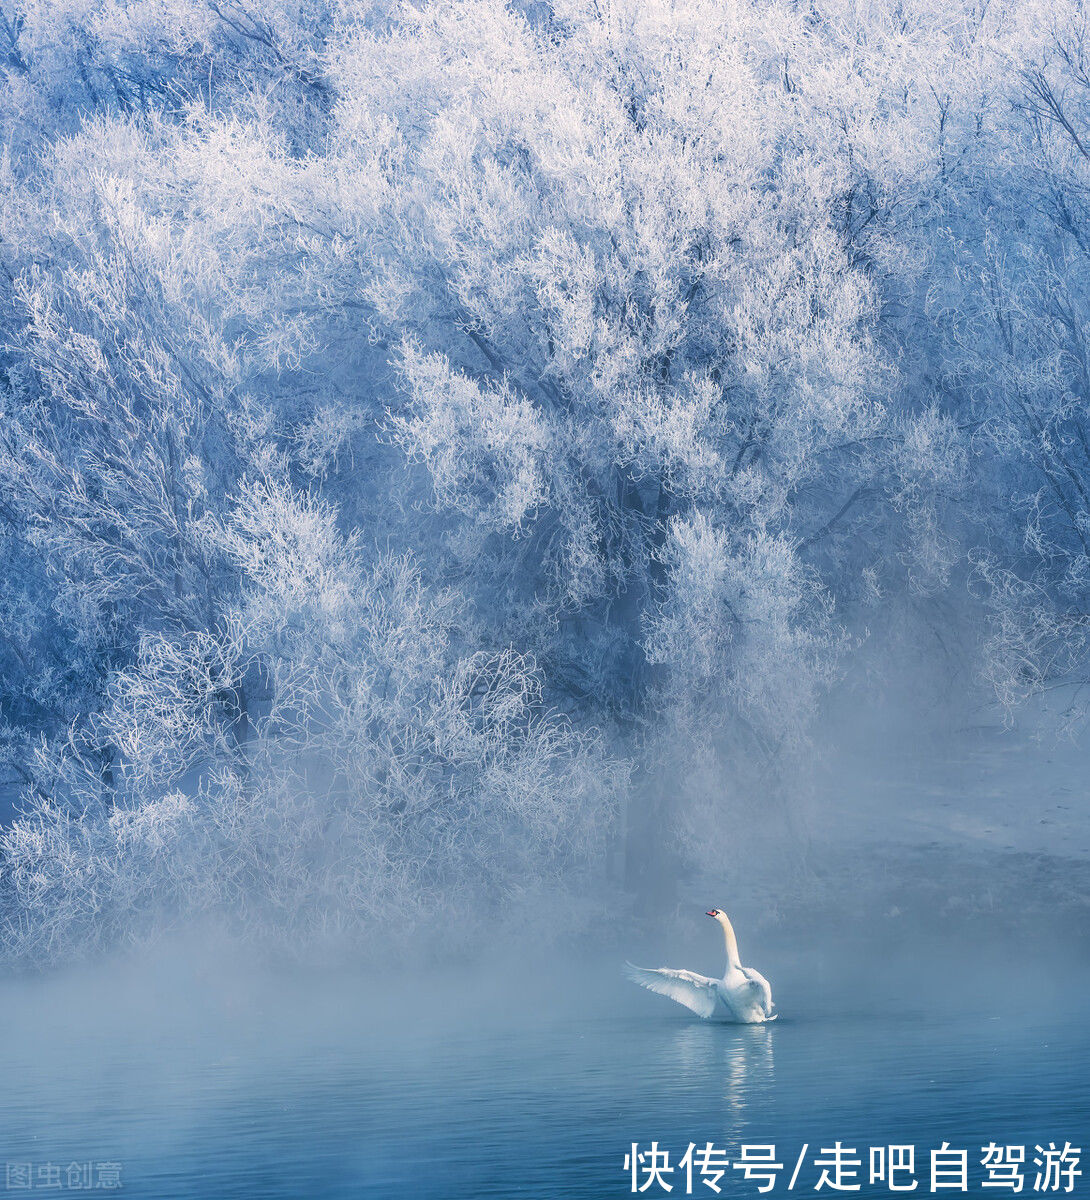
x: 740, y: 1058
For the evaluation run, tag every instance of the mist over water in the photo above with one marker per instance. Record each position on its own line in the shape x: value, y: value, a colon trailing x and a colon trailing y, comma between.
x: 532, y: 1076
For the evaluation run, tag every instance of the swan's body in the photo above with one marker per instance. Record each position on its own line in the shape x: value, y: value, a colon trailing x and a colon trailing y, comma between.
x: 743, y: 994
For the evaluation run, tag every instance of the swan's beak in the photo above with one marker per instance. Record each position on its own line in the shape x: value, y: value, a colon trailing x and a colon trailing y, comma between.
x: 709, y: 914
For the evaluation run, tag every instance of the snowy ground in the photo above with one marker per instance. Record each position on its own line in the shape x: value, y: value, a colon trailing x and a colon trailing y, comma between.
x: 981, y: 789
x: 976, y: 831
x: 986, y: 825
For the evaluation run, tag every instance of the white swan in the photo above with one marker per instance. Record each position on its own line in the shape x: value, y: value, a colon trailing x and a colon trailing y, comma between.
x: 743, y: 994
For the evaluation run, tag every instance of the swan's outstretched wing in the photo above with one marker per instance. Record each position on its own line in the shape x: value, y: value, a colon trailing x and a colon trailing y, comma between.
x: 766, y: 990
x: 696, y: 992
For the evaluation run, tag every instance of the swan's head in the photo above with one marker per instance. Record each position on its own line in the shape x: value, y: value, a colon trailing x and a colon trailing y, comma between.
x: 716, y: 913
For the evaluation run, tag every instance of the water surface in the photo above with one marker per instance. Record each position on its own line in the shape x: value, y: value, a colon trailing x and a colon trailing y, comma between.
x: 281, y: 1086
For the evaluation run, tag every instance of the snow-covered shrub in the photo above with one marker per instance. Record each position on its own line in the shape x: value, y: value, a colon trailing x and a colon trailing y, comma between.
x: 345, y: 766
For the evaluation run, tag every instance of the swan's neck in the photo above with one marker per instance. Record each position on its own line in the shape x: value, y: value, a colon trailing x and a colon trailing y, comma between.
x: 732, y: 943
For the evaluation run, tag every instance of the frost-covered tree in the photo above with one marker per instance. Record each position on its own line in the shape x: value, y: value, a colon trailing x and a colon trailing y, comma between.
x: 1028, y: 337
x: 622, y: 262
